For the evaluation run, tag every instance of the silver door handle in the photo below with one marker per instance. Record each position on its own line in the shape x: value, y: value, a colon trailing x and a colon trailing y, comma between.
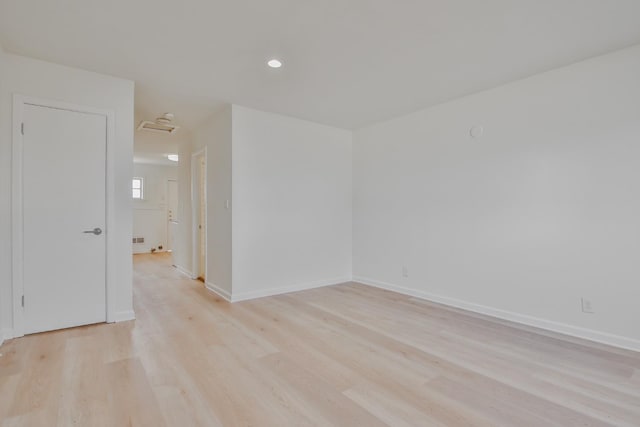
x: 97, y: 231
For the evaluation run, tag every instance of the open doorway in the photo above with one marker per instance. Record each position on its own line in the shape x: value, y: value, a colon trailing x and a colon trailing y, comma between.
x: 154, y: 192
x: 154, y: 189
x: 199, y: 211
x: 169, y: 197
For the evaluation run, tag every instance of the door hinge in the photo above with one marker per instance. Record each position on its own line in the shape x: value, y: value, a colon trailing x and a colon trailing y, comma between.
x: 22, y: 300
x: 22, y: 128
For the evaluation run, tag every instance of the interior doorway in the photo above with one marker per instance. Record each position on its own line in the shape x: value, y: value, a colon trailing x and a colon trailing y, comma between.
x: 199, y: 210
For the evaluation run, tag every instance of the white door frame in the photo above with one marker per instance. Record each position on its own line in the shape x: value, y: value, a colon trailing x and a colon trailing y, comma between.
x: 17, y: 220
x: 195, y: 213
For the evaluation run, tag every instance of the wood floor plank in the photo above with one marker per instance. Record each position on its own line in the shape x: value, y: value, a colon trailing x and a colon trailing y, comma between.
x: 326, y: 400
x: 340, y: 355
x: 37, y: 394
x: 389, y: 409
x: 132, y: 400
x: 415, y: 407
x: 84, y: 397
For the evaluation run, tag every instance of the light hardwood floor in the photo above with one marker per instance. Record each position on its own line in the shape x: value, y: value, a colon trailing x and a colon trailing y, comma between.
x: 345, y: 355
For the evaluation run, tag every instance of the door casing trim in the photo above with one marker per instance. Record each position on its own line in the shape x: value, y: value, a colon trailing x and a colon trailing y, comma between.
x: 195, y: 214
x: 17, y: 220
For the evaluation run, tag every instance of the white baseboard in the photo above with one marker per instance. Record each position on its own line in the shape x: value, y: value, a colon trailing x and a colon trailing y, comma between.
x: 142, y: 252
x: 218, y: 291
x: 563, y: 328
x: 184, y: 271
x: 243, y: 296
x: 123, y: 316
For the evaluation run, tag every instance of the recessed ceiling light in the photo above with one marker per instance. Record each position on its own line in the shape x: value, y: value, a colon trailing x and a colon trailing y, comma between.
x: 173, y: 157
x: 274, y: 63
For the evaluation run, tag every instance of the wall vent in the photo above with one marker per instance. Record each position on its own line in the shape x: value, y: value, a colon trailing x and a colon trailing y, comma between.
x: 138, y: 240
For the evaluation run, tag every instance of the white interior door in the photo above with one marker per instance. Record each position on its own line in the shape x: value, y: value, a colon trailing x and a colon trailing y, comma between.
x: 172, y: 212
x: 64, y: 260
x: 202, y: 215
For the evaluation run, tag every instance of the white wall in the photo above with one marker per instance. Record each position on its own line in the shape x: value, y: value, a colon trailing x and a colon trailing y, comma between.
x: 45, y: 80
x: 215, y: 135
x: 291, y: 204
x: 542, y: 210
x: 150, y: 214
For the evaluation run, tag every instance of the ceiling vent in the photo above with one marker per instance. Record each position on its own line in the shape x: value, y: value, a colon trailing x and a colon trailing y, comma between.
x: 162, y: 124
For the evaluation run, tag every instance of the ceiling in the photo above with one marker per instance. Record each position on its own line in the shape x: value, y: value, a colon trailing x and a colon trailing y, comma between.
x: 152, y: 147
x: 346, y: 63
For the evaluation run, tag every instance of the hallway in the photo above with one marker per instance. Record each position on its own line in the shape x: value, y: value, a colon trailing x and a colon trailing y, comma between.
x: 344, y: 355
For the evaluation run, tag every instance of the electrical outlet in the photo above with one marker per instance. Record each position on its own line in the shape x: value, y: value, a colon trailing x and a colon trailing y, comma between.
x: 405, y: 271
x: 587, y: 307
